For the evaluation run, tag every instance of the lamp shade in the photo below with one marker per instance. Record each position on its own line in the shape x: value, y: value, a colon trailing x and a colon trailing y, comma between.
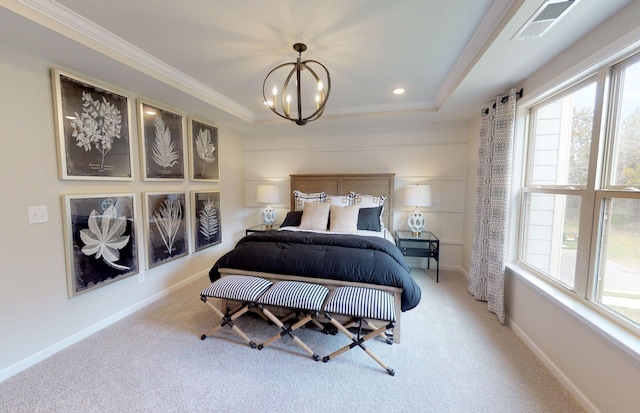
x: 268, y: 194
x: 417, y: 195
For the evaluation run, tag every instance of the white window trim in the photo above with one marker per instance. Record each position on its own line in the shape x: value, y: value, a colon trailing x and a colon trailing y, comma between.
x: 577, y: 306
x: 613, y: 332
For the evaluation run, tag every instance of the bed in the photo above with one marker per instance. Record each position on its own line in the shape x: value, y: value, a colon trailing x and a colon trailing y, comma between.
x: 331, y: 256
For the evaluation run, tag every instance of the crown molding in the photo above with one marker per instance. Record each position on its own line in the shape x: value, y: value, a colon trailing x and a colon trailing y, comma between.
x: 493, y: 22
x: 95, y: 37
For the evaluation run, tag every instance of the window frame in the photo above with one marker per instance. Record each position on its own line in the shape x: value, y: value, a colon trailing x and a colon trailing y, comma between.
x: 608, y: 101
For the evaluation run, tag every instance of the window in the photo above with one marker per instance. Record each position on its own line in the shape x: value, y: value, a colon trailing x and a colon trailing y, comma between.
x: 580, y: 224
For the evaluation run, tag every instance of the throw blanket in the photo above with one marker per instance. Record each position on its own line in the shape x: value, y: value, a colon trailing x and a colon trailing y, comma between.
x: 343, y: 257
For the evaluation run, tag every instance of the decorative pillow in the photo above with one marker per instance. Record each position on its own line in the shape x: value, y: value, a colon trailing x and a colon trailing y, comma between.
x: 344, y: 219
x: 340, y: 200
x: 292, y: 219
x: 301, y: 199
x: 315, y: 216
x: 369, y: 219
x: 368, y: 201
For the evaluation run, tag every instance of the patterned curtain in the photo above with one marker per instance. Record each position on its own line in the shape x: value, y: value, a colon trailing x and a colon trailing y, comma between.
x: 489, y: 250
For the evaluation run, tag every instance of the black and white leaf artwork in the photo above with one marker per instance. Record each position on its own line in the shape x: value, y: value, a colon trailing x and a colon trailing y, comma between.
x: 208, y: 218
x: 205, y: 148
x: 105, y: 237
x: 164, y: 149
x: 98, y: 126
x: 168, y: 219
x: 102, y: 244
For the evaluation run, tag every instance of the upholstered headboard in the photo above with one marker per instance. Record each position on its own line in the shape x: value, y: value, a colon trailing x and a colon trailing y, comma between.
x: 342, y: 184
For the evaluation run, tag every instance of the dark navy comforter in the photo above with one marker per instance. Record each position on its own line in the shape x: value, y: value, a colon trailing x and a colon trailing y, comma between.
x: 343, y: 257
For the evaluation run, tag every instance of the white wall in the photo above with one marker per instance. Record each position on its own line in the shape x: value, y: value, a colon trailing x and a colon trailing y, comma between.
x: 415, y: 150
x: 36, y: 317
x: 600, y: 373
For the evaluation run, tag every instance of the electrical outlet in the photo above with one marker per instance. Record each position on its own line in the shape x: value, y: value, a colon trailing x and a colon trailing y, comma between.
x: 38, y: 214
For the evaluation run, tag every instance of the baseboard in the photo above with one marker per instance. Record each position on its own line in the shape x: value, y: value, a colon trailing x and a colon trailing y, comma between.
x: 64, y: 343
x: 564, y: 380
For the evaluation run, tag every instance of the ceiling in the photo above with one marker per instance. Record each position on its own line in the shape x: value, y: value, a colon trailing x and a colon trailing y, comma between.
x: 451, y: 56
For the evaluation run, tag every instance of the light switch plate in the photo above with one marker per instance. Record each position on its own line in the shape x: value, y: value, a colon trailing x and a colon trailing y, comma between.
x: 38, y: 214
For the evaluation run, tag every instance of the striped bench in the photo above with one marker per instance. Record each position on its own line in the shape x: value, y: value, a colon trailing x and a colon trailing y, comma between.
x: 361, y: 304
x: 304, y: 299
x: 243, y: 288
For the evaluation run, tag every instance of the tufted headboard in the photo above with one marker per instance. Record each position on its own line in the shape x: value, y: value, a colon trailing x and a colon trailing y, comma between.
x: 341, y: 184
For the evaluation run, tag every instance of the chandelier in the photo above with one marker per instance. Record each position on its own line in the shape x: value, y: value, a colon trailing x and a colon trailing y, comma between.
x: 306, y: 99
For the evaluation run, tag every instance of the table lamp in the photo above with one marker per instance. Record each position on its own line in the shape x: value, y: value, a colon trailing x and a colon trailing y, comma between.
x: 417, y: 196
x: 268, y: 194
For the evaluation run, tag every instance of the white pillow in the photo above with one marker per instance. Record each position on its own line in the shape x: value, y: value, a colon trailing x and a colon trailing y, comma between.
x: 301, y: 199
x: 340, y: 200
x: 368, y: 201
x: 315, y: 216
x: 344, y: 219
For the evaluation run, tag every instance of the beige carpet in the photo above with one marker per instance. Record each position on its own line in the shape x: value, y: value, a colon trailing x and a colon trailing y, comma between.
x: 454, y: 357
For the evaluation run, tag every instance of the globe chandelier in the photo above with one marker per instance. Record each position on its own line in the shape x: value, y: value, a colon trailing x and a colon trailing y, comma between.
x: 290, y: 96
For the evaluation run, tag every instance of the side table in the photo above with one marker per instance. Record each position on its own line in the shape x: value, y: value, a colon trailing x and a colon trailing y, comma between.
x: 260, y: 228
x: 424, y: 244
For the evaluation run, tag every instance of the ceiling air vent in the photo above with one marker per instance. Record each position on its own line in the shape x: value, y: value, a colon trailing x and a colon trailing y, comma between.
x: 544, y: 18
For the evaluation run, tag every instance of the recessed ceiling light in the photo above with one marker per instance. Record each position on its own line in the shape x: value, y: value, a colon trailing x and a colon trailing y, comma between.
x: 398, y: 91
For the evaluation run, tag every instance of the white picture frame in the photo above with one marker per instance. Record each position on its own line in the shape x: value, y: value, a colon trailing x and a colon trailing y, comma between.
x: 204, y: 151
x: 162, y: 133
x: 205, y: 218
x: 93, y: 261
x: 93, y: 129
x: 166, y: 226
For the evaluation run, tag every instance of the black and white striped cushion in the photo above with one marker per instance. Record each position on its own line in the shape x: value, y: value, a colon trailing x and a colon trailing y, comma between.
x: 237, y: 287
x: 361, y: 302
x: 295, y: 294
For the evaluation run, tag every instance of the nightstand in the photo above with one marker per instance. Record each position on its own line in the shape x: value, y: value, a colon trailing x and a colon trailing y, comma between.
x: 424, y: 245
x: 260, y: 228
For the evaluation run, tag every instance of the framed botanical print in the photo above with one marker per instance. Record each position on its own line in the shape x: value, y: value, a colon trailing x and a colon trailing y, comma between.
x: 92, y: 126
x: 100, y: 240
x: 161, y: 133
x: 165, y: 227
x: 205, y: 206
x: 204, y: 151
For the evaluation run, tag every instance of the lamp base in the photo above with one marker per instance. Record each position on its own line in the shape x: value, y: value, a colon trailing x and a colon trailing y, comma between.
x: 416, y: 222
x: 269, y: 216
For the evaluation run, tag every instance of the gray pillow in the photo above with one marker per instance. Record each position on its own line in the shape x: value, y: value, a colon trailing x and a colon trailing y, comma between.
x: 369, y: 219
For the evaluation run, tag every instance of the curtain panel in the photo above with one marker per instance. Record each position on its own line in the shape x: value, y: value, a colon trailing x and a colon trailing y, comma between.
x: 489, y: 249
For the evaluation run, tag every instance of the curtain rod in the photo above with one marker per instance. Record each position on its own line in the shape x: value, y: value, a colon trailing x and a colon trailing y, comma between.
x: 505, y: 99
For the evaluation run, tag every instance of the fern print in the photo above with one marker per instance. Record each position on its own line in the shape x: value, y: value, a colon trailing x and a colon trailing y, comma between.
x: 205, y: 148
x: 208, y: 218
x: 164, y: 153
x: 168, y: 219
